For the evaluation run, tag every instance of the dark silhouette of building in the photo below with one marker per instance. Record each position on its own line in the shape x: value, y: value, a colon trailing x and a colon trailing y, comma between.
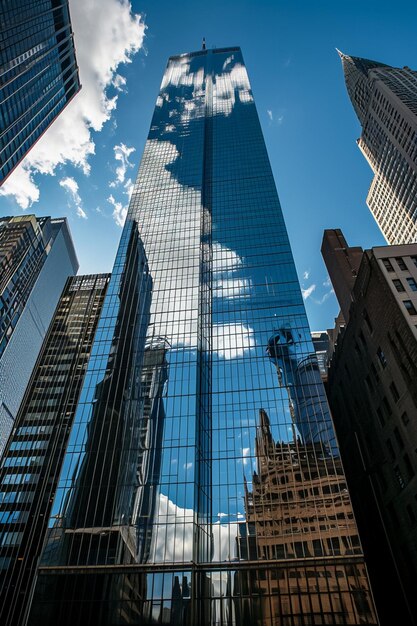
x: 373, y: 396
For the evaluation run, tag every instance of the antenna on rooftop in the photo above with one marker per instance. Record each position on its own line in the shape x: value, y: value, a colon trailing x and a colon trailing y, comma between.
x: 204, y: 44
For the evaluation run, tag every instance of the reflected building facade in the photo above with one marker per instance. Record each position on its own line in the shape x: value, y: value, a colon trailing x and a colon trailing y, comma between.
x: 203, y: 325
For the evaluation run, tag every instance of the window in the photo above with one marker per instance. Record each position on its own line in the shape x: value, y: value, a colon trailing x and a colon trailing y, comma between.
x: 381, y: 357
x: 398, y: 285
x: 394, y: 392
x: 412, y: 284
x: 409, y: 467
x: 399, y: 439
x: 401, y: 263
x: 414, y: 260
x: 388, y: 265
x: 404, y: 418
x: 410, y: 307
x: 390, y: 449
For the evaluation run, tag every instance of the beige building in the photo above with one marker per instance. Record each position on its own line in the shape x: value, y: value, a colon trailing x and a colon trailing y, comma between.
x: 385, y: 101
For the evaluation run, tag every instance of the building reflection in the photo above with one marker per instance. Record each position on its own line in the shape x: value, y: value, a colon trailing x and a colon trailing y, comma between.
x: 299, y: 515
x: 299, y: 374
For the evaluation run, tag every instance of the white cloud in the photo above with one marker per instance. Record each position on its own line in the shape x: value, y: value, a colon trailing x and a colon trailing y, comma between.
x: 324, y: 298
x: 327, y: 282
x: 119, y: 211
x: 102, y: 44
x: 270, y: 115
x: 307, y: 292
x: 119, y: 83
x: 122, y: 154
x: 71, y: 187
x: 306, y: 274
x: 232, y: 340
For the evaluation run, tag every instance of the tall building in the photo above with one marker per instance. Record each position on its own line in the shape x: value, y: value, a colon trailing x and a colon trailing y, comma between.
x: 38, y: 73
x: 151, y: 521
x: 385, y: 101
x: 373, y: 396
x: 33, y: 457
x: 36, y: 257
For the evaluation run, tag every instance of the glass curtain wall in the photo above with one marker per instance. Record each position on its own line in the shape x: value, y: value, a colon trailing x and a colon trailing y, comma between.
x: 231, y: 502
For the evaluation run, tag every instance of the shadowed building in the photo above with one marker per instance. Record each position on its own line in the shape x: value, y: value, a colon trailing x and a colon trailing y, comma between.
x: 372, y: 390
x: 385, y: 101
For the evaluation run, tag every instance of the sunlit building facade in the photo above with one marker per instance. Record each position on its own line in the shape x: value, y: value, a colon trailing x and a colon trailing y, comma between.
x: 38, y: 73
x: 36, y: 257
x: 385, y: 101
x: 203, y: 327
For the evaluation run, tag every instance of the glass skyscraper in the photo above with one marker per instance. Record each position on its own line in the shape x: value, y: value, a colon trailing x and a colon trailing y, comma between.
x: 38, y: 73
x: 385, y: 101
x: 36, y: 257
x: 202, y: 482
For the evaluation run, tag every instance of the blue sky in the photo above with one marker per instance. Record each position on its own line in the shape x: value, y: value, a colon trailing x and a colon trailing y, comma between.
x: 92, y: 155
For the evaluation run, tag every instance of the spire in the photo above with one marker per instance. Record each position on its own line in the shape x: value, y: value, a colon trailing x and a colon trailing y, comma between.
x: 203, y: 47
x: 358, y: 84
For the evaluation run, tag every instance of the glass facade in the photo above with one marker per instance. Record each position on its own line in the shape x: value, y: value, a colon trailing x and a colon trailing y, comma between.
x: 36, y: 257
x: 38, y: 73
x: 33, y: 457
x: 202, y: 482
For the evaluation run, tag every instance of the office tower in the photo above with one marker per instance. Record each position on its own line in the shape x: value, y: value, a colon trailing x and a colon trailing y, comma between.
x: 149, y: 523
x: 385, y: 101
x: 373, y: 396
x: 33, y: 457
x: 38, y: 73
x: 36, y: 257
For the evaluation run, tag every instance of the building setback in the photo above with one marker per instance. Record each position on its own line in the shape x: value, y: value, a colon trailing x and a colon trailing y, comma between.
x: 38, y: 73
x: 36, y: 257
x: 373, y: 396
x: 150, y: 523
x: 33, y: 457
x: 385, y: 101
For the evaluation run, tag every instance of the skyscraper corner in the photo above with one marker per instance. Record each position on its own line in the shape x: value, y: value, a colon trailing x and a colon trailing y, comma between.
x: 385, y: 101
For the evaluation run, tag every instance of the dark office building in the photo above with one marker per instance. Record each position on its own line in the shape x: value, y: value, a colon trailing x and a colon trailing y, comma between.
x: 33, y: 456
x: 38, y: 73
x: 151, y: 498
x: 36, y: 257
x: 373, y: 396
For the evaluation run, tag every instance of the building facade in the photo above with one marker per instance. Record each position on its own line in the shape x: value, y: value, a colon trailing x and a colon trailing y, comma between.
x: 151, y: 522
x: 373, y: 396
x: 36, y: 257
x: 33, y: 457
x: 38, y: 73
x: 385, y: 101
